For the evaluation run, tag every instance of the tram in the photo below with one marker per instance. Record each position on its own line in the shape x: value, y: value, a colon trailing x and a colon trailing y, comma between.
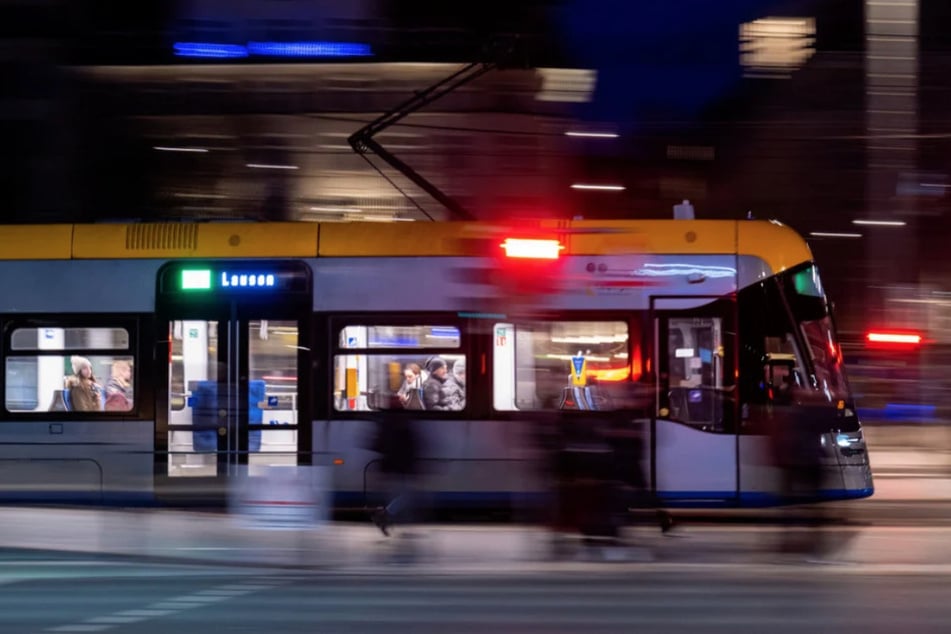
x: 241, y: 348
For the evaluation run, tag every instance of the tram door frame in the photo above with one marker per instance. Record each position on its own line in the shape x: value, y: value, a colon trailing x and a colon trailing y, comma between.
x: 662, y: 309
x: 228, y: 407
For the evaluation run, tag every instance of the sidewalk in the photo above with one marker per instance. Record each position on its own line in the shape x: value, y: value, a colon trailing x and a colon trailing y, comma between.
x: 218, y: 539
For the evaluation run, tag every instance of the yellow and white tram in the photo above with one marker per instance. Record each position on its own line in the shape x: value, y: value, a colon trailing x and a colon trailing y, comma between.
x: 256, y: 346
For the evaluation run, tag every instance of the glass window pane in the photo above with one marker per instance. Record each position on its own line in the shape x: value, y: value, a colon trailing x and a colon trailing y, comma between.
x: 406, y: 381
x: 193, y: 397
x: 399, y: 337
x: 70, y: 339
x: 74, y: 383
x: 807, y: 282
x: 561, y: 365
x: 273, y: 347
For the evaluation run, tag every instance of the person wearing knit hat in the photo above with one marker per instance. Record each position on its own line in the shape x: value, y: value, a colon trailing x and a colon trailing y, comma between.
x: 83, y: 390
x: 433, y: 393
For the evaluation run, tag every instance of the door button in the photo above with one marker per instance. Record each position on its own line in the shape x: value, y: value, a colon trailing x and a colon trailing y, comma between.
x: 222, y: 431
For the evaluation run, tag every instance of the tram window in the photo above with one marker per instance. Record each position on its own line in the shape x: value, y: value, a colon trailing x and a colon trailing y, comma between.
x: 418, y: 377
x: 410, y: 380
x: 562, y: 365
x: 699, y: 379
x: 52, y: 383
x: 807, y: 282
x: 69, y: 339
x: 771, y: 363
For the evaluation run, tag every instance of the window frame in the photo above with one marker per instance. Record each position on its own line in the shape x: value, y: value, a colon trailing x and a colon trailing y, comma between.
x: 337, y: 322
x: 132, y: 324
x: 723, y: 307
x: 637, y: 322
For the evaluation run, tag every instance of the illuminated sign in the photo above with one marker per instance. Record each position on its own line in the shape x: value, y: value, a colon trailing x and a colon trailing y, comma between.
x: 193, y: 280
x: 204, y: 280
x: 247, y: 280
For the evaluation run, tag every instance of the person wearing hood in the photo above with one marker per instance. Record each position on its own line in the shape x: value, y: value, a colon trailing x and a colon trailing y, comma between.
x: 84, y: 392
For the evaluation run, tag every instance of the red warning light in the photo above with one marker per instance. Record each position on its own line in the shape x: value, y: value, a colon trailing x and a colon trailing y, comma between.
x: 893, y: 338
x: 532, y: 249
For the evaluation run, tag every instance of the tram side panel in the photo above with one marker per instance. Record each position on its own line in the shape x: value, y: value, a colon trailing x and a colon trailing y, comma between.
x: 49, y: 450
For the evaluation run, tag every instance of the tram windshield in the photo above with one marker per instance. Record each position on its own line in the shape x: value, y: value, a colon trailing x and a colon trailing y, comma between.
x: 811, y: 312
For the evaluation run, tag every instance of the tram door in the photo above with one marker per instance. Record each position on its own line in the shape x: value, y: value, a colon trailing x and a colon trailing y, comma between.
x: 694, y: 442
x: 234, y: 358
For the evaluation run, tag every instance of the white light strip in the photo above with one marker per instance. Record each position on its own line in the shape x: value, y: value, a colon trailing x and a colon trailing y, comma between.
x: 880, y: 223
x: 337, y: 209
x: 266, y: 166
x: 168, y: 148
x: 823, y: 234
x: 605, y: 188
x: 592, y: 135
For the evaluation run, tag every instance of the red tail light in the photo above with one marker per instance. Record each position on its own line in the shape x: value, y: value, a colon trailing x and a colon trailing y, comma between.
x: 532, y: 249
x: 894, y: 338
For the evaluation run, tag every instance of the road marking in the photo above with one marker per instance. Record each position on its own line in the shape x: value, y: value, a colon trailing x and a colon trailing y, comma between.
x: 170, y: 606
x: 115, y: 620
x: 173, y: 605
x: 144, y: 614
x: 195, y: 598
x: 224, y: 593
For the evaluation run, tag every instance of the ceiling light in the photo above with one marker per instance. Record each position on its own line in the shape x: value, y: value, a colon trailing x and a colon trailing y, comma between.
x: 171, y: 148
x: 336, y: 209
x: 592, y: 135
x: 880, y: 223
x: 270, y: 166
x: 606, y: 188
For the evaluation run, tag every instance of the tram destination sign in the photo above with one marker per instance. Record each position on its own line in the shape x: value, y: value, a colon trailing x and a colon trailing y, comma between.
x: 221, y: 278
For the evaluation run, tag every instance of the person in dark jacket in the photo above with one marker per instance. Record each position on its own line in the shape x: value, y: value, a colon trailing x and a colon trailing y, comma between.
x: 397, y: 443
x: 436, y: 394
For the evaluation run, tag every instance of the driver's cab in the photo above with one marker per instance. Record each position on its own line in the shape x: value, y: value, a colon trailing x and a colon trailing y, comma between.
x: 781, y: 376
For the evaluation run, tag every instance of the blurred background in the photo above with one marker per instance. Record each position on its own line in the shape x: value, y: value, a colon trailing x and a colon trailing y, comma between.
x: 825, y: 114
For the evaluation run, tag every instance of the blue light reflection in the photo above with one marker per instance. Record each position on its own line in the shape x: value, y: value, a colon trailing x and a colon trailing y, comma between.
x: 210, y: 50
x: 309, y: 49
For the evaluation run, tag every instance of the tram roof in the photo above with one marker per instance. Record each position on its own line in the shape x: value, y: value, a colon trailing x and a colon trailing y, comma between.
x: 776, y: 244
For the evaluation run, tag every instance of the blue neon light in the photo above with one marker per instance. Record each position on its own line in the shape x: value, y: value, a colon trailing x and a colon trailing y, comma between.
x: 247, y: 280
x: 309, y: 49
x: 272, y: 49
x: 210, y: 50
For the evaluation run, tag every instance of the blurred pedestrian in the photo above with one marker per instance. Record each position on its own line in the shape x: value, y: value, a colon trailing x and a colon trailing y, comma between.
x: 797, y: 429
x: 397, y: 442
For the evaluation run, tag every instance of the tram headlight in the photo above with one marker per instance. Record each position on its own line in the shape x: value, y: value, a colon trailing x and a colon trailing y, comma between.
x: 843, y: 440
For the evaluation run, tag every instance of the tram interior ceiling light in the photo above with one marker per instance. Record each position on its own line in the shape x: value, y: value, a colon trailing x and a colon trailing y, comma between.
x: 302, y: 50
